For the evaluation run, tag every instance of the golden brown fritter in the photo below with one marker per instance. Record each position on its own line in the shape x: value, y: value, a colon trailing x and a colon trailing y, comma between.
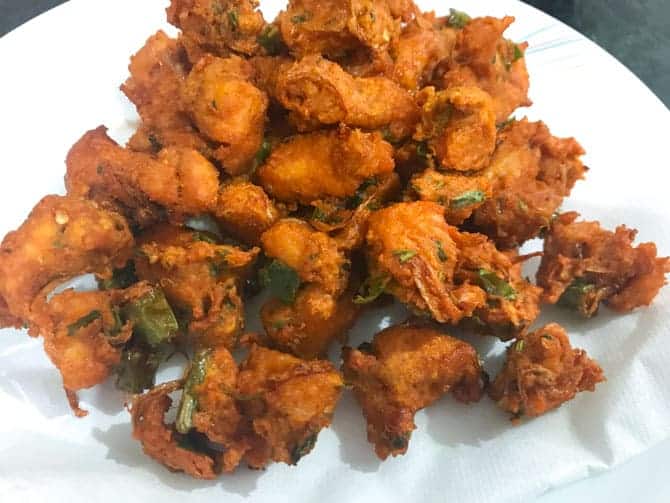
x: 179, y: 181
x: 458, y: 126
x: 459, y: 193
x: 404, y: 370
x: 161, y: 441
x: 335, y: 27
x: 345, y: 159
x: 421, y: 46
x: 309, y: 326
x: 584, y: 265
x: 63, y: 237
x: 200, y: 278
x: 447, y: 274
x: 541, y: 372
x: 228, y: 109
x: 312, y: 254
x: 217, y: 27
x: 289, y: 402
x: 531, y: 172
x: 245, y: 211
x: 483, y: 58
x: 318, y: 91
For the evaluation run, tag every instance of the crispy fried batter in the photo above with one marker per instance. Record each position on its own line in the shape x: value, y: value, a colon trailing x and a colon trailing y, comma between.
x: 404, y: 370
x: 483, y: 58
x: 319, y: 92
x: 584, y: 265
x: 459, y: 127
x: 62, y: 237
x: 311, y: 324
x: 312, y: 254
x: 542, y: 371
x: 531, y: 172
x: 345, y: 158
x: 290, y: 401
x: 228, y: 109
x: 201, y: 279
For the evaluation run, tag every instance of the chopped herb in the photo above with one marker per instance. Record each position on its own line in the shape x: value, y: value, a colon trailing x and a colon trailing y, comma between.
x: 282, y: 281
x: 138, y: 366
x: 154, y: 323
x: 263, y: 152
x: 319, y: 215
x: 205, y: 237
x: 404, y: 255
x: 82, y: 322
x: 357, y: 199
x: 270, y: 40
x: 233, y: 19
x: 302, y: 449
x: 121, y: 278
x: 371, y: 289
x: 509, y: 121
x: 219, y: 264
x: 458, y: 19
x: 495, y: 285
x: 466, y: 199
x: 519, y: 346
x: 582, y: 296
x: 518, y: 53
x: 441, y: 254
x: 189, y: 399
x: 300, y: 18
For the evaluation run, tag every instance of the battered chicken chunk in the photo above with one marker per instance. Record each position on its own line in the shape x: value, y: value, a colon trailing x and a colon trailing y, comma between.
x: 245, y: 211
x: 336, y: 26
x: 345, y: 159
x: 311, y: 324
x: 218, y: 26
x: 584, y: 265
x: 483, y: 58
x: 318, y: 91
x: 289, y: 402
x: 439, y: 271
x: 404, y: 370
x: 531, y: 172
x: 63, y: 237
x: 458, y: 126
x: 161, y: 441
x: 227, y: 109
x: 541, y: 372
x: 179, y: 181
x: 201, y: 278
x: 313, y: 255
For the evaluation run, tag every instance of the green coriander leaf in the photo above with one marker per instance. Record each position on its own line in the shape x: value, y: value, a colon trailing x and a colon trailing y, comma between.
x: 404, y: 255
x: 270, y: 40
x: 458, y: 19
x: 519, y: 346
x: 518, y: 53
x: 466, y: 199
x: 371, y: 289
x: 282, y: 281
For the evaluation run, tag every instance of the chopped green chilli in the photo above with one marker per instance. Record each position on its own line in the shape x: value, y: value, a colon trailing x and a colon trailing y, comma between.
x: 189, y: 399
x: 121, y: 278
x: 441, y: 254
x: 270, y: 40
x: 154, y: 323
x: 458, y: 19
x: 82, y: 322
x: 233, y: 19
x: 494, y: 285
x: 404, y: 255
x: 466, y: 199
x: 282, y: 281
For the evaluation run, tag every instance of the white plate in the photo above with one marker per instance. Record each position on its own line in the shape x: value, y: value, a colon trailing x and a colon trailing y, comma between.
x: 60, y: 77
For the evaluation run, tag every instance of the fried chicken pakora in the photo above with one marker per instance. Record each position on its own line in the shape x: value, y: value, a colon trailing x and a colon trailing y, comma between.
x: 542, y: 371
x: 404, y: 370
x: 584, y: 265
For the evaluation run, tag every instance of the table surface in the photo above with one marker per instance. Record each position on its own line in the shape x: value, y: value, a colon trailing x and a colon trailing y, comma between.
x: 635, y: 31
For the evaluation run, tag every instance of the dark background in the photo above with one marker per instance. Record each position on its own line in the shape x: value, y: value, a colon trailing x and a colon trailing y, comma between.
x: 637, y: 32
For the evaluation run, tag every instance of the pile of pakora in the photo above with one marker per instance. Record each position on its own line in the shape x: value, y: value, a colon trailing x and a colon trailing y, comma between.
x: 336, y: 158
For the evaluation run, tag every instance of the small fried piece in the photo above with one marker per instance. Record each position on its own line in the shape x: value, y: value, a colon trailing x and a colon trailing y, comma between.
x: 289, y: 402
x: 318, y: 91
x: 404, y: 370
x: 180, y: 180
x: 63, y: 237
x: 584, y: 265
x: 217, y: 27
x: 484, y: 59
x: 531, y: 172
x: 245, y: 211
x: 228, y: 109
x: 200, y: 278
x: 311, y: 324
x: 459, y: 126
x: 345, y: 158
x: 161, y: 441
x: 336, y: 26
x: 459, y: 193
x: 313, y: 255
x: 541, y: 372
